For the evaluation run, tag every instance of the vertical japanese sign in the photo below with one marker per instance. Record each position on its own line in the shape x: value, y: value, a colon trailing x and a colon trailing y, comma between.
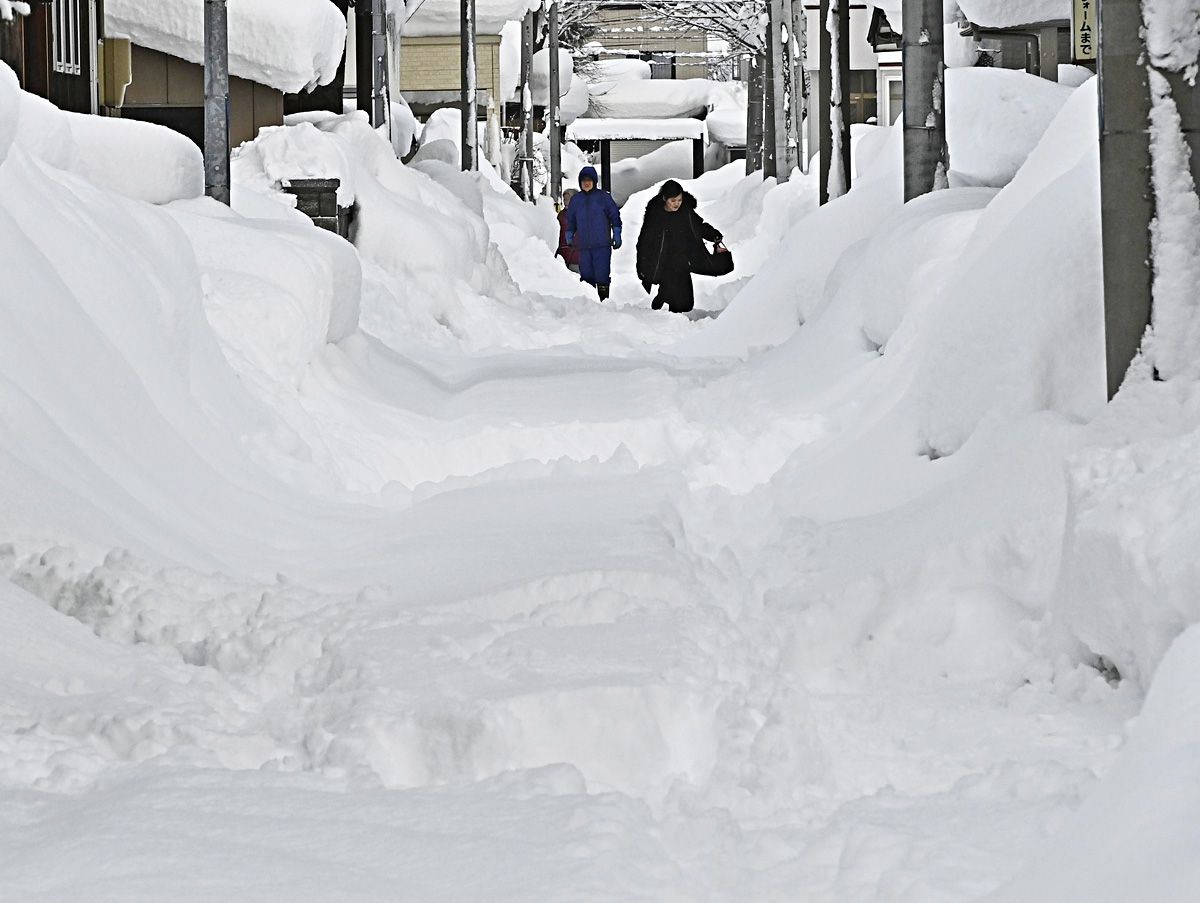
x: 1086, y: 35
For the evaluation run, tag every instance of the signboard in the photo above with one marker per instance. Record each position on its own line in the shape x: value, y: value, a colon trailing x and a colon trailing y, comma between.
x: 1084, y: 31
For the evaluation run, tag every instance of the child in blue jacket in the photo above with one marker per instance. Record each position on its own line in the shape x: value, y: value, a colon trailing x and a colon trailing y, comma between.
x: 594, y: 228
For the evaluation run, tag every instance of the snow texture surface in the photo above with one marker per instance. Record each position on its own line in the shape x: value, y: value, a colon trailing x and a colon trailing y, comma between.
x: 286, y: 44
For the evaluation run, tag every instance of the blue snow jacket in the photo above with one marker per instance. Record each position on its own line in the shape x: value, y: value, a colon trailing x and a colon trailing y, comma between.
x: 592, y: 216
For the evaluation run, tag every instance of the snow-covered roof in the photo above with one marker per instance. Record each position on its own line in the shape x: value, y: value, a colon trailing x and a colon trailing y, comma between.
x: 651, y: 99
x: 634, y: 129
x: 441, y: 17
x: 988, y: 13
x: 286, y: 44
x: 1011, y: 13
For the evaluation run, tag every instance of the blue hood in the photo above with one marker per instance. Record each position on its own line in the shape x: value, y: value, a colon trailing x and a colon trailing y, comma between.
x: 588, y: 172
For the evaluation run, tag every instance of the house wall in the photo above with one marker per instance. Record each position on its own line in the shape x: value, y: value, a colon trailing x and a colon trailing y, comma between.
x: 627, y: 150
x: 170, y: 91
x: 636, y: 31
x: 433, y: 65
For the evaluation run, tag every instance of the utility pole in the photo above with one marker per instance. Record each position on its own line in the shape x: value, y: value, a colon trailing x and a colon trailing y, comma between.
x: 470, y: 113
x: 526, y: 155
x: 554, y: 111
x: 835, y: 80
x: 770, y: 141
x: 779, y: 25
x: 926, y: 160
x: 755, y: 110
x: 798, y: 48
x: 1126, y: 194
x: 370, y: 43
x: 216, y: 100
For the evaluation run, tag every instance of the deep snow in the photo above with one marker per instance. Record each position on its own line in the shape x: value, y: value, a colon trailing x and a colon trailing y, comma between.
x: 408, y: 571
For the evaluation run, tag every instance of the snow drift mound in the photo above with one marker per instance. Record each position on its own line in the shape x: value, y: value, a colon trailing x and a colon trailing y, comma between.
x: 137, y: 159
x: 1018, y: 327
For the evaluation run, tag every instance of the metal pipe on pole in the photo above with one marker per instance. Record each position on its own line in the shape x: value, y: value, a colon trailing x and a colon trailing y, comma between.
x: 469, y: 87
x: 770, y: 140
x: 1126, y: 193
x: 379, y: 59
x: 926, y: 159
x: 554, y: 110
x: 835, y: 80
x: 526, y: 156
x: 216, y: 101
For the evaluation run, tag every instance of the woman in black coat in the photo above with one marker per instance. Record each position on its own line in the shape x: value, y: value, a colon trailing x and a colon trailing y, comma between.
x: 672, y: 236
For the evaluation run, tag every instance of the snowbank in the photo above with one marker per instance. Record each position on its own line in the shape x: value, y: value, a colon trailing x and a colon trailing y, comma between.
x: 136, y: 159
x: 997, y: 348
x: 999, y: 120
x: 1136, y: 836
x: 539, y: 79
x: 287, y: 44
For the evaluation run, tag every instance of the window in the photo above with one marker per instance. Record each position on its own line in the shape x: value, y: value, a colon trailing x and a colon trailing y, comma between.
x: 64, y: 20
x: 864, y: 106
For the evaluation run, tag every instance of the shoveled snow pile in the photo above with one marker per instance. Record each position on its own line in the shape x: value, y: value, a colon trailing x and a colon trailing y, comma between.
x: 136, y: 159
x: 287, y: 44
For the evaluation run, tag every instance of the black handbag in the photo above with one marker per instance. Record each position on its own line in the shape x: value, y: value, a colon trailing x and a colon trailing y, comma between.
x: 718, y: 262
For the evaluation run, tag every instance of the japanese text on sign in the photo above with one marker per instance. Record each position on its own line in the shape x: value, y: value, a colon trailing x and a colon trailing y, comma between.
x: 1084, y: 29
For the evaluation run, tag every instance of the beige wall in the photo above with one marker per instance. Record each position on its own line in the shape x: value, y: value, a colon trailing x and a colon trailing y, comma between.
x: 624, y: 29
x: 161, y: 80
x: 434, y: 64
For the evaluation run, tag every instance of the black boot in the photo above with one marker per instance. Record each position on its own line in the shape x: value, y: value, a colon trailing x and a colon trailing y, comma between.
x: 603, y: 290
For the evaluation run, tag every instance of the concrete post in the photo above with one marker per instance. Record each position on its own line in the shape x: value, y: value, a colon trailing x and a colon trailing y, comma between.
x: 835, y: 79
x: 926, y: 161
x: 554, y: 111
x: 468, y: 86
x: 755, y: 113
x: 1126, y: 196
x: 370, y: 48
x: 216, y: 101
x: 771, y: 104
x: 779, y: 27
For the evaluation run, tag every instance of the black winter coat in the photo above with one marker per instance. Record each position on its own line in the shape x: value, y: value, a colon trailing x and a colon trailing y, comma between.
x: 669, y: 241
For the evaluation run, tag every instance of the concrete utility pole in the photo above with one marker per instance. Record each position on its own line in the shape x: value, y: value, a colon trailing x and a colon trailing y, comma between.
x: 779, y: 26
x: 1129, y: 76
x: 798, y: 47
x: 526, y: 156
x: 470, y: 112
x: 835, y: 81
x: 216, y: 100
x: 755, y: 110
x: 770, y: 142
x: 554, y: 110
x: 926, y: 161
x: 370, y: 43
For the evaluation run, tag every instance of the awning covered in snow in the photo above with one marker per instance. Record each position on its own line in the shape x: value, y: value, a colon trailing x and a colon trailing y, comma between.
x: 634, y: 129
